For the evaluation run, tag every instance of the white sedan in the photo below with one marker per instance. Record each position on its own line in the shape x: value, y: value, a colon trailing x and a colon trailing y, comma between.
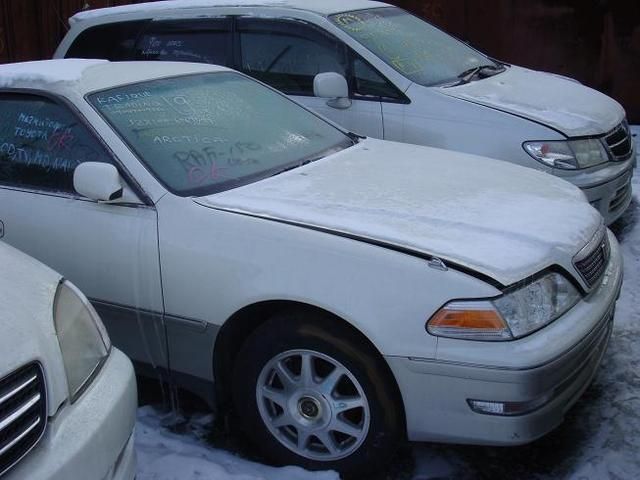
x: 344, y: 293
x: 67, y: 398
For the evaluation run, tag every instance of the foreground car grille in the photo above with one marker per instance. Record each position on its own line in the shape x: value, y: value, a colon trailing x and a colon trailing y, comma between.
x: 618, y: 142
x: 22, y: 414
x: 592, y: 260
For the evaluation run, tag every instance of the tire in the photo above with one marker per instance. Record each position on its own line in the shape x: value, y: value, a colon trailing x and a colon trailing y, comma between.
x: 347, y: 416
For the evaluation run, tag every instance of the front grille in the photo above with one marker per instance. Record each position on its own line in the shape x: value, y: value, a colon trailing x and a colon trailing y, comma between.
x: 620, y: 197
x: 23, y: 414
x: 592, y: 260
x: 619, y: 142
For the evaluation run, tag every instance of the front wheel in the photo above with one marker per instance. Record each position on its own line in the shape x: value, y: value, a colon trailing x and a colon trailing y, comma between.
x: 309, y: 392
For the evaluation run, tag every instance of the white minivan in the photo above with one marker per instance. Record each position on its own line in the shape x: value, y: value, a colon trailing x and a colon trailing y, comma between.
x: 381, y: 72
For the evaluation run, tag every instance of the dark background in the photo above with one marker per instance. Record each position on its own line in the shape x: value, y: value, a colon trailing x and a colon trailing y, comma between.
x: 594, y: 41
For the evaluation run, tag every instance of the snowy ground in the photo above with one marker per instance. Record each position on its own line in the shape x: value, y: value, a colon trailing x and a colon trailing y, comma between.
x: 599, y: 439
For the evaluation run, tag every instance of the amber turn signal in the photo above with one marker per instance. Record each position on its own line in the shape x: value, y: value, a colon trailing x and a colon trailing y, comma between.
x: 469, y: 320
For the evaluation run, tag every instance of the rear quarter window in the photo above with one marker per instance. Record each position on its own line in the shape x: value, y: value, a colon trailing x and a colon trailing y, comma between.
x: 113, y: 41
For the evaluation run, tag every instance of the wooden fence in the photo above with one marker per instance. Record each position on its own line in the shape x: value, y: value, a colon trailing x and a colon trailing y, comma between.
x: 594, y: 41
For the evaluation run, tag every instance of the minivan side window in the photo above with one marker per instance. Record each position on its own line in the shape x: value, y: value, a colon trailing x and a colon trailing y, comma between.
x: 111, y: 41
x: 288, y: 55
x: 41, y: 144
x: 367, y: 83
x: 202, y: 41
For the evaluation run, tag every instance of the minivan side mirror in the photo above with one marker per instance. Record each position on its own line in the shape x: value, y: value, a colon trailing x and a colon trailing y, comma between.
x: 334, y: 86
x: 98, y: 181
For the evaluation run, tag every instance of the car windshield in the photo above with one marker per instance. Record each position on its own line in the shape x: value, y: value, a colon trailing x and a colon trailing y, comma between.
x: 413, y: 47
x: 204, y: 133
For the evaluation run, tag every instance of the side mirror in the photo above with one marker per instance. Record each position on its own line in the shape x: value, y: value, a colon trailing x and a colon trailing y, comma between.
x: 98, y: 181
x: 334, y: 86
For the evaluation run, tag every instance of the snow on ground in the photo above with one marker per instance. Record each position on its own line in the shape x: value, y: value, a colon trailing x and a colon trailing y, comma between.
x: 600, y: 438
x: 163, y: 455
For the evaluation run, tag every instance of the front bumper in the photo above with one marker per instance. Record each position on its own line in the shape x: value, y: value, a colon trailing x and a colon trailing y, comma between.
x: 612, y: 198
x: 93, y: 438
x: 607, y: 186
x: 543, y: 365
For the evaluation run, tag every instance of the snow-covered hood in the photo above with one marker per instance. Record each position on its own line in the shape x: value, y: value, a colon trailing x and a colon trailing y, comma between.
x: 27, y: 290
x: 552, y: 100
x: 499, y: 219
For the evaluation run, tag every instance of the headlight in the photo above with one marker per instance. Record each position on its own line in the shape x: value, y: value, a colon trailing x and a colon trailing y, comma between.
x: 568, y: 155
x: 537, y: 304
x: 510, y: 316
x: 83, y: 339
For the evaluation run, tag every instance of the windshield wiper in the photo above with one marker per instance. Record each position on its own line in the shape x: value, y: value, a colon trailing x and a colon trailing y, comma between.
x: 355, y: 137
x: 277, y: 59
x: 295, y: 165
x: 467, y: 75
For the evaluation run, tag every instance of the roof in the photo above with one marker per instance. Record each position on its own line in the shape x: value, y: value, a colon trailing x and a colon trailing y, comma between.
x: 324, y: 7
x: 13, y: 74
x: 84, y: 76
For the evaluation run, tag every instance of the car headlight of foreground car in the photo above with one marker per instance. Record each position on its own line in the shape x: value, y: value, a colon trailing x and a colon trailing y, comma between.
x: 568, y: 155
x: 513, y: 315
x: 84, y: 341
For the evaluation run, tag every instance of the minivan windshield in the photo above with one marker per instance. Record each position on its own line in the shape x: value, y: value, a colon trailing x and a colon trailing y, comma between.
x: 413, y: 47
x: 204, y: 133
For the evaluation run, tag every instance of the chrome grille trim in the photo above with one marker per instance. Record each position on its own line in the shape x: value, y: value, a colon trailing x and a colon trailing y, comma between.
x: 620, y: 197
x: 16, y: 414
x: 16, y: 390
x: 591, y: 261
x: 619, y: 142
x: 26, y: 432
x: 23, y: 413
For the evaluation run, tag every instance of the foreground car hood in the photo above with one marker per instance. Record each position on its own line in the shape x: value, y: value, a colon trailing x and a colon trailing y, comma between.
x: 499, y: 219
x: 560, y: 103
x: 27, y: 290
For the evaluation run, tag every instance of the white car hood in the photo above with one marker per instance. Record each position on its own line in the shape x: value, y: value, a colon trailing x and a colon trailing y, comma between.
x: 499, y: 219
x: 552, y: 100
x: 27, y: 290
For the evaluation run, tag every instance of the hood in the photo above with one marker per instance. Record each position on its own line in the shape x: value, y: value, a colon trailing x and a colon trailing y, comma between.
x: 27, y: 290
x: 553, y: 100
x: 494, y: 217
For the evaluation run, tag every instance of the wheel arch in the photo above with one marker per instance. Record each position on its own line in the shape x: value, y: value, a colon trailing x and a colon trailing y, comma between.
x: 245, y: 321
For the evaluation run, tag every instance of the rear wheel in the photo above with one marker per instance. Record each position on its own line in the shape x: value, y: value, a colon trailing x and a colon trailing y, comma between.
x: 310, y: 392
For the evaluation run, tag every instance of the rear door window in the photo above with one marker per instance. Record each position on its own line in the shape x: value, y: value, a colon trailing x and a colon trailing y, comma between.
x: 201, y: 41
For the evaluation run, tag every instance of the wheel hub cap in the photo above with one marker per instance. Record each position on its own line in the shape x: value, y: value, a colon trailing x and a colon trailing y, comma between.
x: 313, y: 405
x: 309, y: 408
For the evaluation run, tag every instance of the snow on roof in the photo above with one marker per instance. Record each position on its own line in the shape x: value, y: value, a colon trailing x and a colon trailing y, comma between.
x: 320, y: 6
x: 46, y: 71
x: 84, y: 76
